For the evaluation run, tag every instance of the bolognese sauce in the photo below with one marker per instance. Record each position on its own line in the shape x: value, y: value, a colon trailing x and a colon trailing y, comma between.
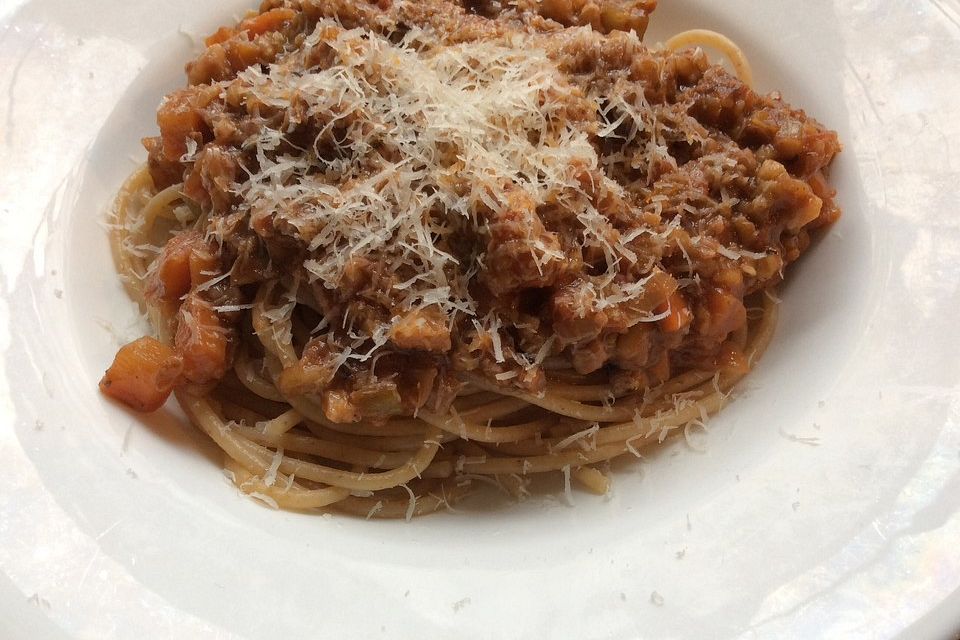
x: 388, y: 203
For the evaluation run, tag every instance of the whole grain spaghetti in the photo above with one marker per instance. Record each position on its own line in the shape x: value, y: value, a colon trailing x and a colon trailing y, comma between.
x: 394, y: 251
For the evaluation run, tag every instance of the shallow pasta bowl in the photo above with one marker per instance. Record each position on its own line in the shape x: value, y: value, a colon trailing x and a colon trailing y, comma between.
x: 821, y: 502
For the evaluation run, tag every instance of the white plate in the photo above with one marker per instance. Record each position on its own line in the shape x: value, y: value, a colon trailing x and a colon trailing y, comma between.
x: 827, y: 503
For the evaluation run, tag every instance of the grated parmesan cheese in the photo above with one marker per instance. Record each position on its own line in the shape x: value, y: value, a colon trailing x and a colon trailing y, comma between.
x: 567, y: 492
x: 270, y: 477
x: 408, y: 122
x: 579, y: 436
x: 265, y: 499
x: 412, y: 504
x: 375, y: 509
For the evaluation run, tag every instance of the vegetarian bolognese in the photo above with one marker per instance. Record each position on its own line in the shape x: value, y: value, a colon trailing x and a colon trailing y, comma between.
x: 394, y: 250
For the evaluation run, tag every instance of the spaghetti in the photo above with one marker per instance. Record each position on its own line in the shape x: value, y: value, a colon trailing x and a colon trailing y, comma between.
x: 392, y: 254
x: 718, y: 41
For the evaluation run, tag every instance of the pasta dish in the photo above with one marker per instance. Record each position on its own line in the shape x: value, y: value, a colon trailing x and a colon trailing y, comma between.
x: 399, y: 249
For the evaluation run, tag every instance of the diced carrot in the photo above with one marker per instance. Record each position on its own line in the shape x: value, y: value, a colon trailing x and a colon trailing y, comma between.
x: 221, y: 35
x: 254, y: 25
x: 142, y: 375
x: 171, y: 279
x: 203, y: 264
x: 178, y: 118
x: 185, y: 262
x: 268, y: 21
x: 194, y: 188
x: 679, y: 314
x: 201, y: 341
